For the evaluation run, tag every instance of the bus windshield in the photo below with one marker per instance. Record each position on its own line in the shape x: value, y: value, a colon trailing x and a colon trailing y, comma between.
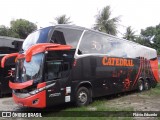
x: 29, y: 70
x: 39, y: 36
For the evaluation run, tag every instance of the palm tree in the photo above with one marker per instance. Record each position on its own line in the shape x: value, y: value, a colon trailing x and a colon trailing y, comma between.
x: 130, y: 34
x: 63, y: 20
x: 105, y: 23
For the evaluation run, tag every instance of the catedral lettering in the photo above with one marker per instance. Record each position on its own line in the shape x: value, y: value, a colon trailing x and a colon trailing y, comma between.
x: 117, y: 62
x: 66, y: 63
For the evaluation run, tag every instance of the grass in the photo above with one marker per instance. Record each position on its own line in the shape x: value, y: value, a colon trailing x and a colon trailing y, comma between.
x: 86, y: 112
x: 153, y: 91
x: 102, y: 104
x: 159, y: 66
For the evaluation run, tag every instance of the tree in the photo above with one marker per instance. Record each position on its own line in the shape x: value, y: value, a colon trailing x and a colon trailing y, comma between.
x: 151, y: 35
x: 4, y: 30
x: 105, y: 23
x: 63, y: 20
x: 22, y: 28
x: 130, y: 34
x: 141, y: 40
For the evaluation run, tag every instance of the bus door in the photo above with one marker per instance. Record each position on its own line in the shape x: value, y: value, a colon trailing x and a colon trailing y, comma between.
x: 57, y: 71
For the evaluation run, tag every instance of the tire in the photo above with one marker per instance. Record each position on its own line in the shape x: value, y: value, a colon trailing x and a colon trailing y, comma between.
x: 153, y: 86
x: 140, y: 86
x: 0, y: 94
x: 0, y: 91
x: 83, y: 97
x: 147, y: 85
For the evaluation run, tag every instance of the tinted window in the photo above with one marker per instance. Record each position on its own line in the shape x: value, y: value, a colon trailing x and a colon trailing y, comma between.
x: 97, y: 43
x: 91, y: 43
x: 43, y: 37
x: 39, y: 36
x: 66, y: 36
x: 54, y: 69
x: 58, y: 64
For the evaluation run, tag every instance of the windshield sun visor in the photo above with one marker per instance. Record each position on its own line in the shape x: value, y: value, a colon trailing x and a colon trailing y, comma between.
x: 42, y: 47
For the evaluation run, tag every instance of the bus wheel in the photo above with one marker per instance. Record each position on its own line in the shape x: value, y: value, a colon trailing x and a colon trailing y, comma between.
x: 153, y: 86
x: 0, y: 94
x: 140, y: 86
x: 82, y: 96
x: 146, y: 85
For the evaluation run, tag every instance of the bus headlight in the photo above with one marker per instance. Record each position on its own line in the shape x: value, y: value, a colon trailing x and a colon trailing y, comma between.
x: 37, y: 91
x: 34, y: 92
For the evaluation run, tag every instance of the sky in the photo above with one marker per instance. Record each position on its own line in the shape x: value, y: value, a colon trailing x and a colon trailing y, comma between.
x: 138, y: 14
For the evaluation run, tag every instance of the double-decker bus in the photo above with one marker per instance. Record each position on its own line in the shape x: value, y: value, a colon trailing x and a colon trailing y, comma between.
x: 8, y: 45
x: 66, y: 63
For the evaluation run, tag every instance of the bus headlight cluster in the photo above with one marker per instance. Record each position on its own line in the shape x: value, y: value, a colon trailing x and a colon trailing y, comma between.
x: 37, y: 91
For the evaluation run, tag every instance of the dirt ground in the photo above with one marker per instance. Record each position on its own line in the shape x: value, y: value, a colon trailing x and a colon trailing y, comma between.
x: 137, y: 101
x: 7, y: 104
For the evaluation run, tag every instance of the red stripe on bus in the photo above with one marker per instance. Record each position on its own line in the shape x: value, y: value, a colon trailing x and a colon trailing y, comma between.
x: 154, y: 69
x: 41, y: 85
x: 6, y: 57
x: 20, y: 85
x: 139, y: 71
x: 42, y: 47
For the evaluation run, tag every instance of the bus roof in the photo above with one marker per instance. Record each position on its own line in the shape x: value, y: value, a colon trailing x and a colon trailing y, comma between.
x: 9, y: 41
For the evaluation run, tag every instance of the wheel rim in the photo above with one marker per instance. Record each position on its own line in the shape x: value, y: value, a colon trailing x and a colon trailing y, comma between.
x: 82, y: 97
x: 141, y: 86
x: 146, y: 86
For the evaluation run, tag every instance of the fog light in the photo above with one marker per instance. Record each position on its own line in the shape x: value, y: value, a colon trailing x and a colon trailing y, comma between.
x: 35, y: 101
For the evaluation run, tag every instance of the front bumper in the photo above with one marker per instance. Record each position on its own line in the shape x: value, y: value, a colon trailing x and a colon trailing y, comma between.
x: 37, y: 101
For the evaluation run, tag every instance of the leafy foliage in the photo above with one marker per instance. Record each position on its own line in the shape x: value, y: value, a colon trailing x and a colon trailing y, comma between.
x: 105, y: 23
x: 143, y: 41
x: 130, y: 34
x: 4, y: 30
x: 152, y: 37
x: 63, y: 20
x: 20, y: 28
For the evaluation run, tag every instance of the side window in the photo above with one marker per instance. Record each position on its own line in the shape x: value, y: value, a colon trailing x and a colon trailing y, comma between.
x: 131, y: 50
x: 56, y: 70
x: 57, y: 66
x: 53, y: 70
x: 115, y: 47
x: 121, y: 49
x: 112, y: 47
x: 91, y: 43
x: 66, y: 36
x: 109, y: 46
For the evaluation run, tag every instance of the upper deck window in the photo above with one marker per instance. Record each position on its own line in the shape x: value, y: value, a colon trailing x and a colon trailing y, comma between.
x: 95, y: 43
x: 91, y: 43
x: 66, y: 36
x: 39, y: 36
